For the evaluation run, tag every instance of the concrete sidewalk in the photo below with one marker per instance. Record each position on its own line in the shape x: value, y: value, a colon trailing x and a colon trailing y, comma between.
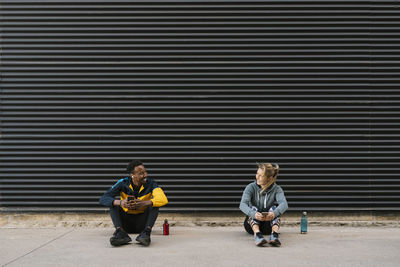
x: 201, y: 246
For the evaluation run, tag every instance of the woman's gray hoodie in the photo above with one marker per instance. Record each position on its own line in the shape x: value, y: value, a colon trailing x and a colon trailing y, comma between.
x: 252, y: 197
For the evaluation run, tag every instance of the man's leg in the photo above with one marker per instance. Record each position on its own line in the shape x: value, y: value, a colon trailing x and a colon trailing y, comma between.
x: 146, y: 223
x: 120, y: 237
x: 152, y: 214
x: 115, y: 217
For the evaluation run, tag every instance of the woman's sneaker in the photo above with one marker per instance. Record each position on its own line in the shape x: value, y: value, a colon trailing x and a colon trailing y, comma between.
x: 259, y: 239
x: 274, y: 239
x: 119, y: 238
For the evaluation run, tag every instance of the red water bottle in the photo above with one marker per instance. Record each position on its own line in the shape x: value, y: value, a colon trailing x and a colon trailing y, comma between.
x: 166, y: 227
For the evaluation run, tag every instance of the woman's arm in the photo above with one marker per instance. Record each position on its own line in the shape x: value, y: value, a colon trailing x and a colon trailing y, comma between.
x: 245, y: 202
x: 282, y: 203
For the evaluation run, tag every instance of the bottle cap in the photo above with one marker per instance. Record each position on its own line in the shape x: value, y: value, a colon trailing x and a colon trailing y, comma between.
x: 166, y: 220
x: 304, y: 212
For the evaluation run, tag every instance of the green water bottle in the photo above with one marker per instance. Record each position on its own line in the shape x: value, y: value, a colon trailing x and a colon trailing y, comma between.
x: 303, y: 224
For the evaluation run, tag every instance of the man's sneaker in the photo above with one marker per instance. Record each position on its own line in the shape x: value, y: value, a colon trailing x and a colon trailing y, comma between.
x: 259, y: 239
x: 120, y: 237
x: 274, y: 239
x: 144, y: 237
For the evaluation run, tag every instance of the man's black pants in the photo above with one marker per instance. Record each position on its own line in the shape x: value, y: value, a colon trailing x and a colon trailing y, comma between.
x: 133, y: 223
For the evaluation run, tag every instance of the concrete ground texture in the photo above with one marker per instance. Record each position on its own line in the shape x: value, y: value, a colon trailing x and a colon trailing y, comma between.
x: 34, y: 243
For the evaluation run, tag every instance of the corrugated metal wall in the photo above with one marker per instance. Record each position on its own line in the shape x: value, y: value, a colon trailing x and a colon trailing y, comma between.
x: 200, y: 91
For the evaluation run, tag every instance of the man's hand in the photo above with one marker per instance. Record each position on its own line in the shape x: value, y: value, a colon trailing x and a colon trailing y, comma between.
x: 259, y: 216
x: 124, y: 203
x: 139, y: 204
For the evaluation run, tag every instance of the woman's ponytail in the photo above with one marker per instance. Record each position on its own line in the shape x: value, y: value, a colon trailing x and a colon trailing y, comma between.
x: 271, y: 172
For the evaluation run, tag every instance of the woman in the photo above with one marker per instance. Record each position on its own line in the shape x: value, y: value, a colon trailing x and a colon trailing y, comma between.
x: 263, y: 201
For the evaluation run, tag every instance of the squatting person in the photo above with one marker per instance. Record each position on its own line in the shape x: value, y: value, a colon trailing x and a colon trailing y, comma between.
x: 137, y: 209
x: 263, y: 201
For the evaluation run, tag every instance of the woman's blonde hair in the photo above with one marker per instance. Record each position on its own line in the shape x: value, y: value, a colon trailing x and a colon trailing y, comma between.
x: 271, y: 172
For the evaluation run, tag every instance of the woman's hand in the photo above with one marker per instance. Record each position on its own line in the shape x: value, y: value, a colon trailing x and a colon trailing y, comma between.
x: 259, y: 216
x: 270, y: 216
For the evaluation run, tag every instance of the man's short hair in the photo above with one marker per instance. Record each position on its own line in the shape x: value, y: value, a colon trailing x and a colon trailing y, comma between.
x: 132, y: 165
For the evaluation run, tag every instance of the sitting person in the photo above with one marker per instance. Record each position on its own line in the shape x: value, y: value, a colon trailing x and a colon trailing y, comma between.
x: 137, y: 209
x: 263, y: 201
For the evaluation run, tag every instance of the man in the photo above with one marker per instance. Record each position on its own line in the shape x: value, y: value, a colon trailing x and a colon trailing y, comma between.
x: 138, y: 213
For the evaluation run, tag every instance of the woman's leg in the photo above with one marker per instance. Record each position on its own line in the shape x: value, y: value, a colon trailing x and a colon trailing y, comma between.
x: 247, y: 226
x: 258, y: 236
x: 275, y: 224
x: 265, y: 228
x: 251, y: 226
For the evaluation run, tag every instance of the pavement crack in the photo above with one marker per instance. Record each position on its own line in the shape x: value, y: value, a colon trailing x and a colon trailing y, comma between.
x: 41, y: 246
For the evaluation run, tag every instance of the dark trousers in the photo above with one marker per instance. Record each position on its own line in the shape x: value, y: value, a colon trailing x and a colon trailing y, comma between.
x: 265, y: 226
x: 133, y: 223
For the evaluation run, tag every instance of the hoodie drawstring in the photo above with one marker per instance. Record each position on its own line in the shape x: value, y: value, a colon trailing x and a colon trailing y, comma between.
x: 265, y: 201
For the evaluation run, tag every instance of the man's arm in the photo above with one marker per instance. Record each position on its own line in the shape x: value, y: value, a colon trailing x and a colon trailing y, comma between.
x: 117, y: 202
x: 159, y: 198
x: 108, y: 198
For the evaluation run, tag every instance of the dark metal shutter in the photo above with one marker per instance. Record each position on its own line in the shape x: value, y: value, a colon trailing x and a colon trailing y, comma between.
x: 200, y: 91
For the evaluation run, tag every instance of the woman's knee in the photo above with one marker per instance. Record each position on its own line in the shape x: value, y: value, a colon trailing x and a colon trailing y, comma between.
x: 247, y: 226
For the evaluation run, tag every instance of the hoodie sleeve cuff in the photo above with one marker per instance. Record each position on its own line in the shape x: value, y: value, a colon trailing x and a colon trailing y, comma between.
x: 276, y: 213
x: 252, y: 214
